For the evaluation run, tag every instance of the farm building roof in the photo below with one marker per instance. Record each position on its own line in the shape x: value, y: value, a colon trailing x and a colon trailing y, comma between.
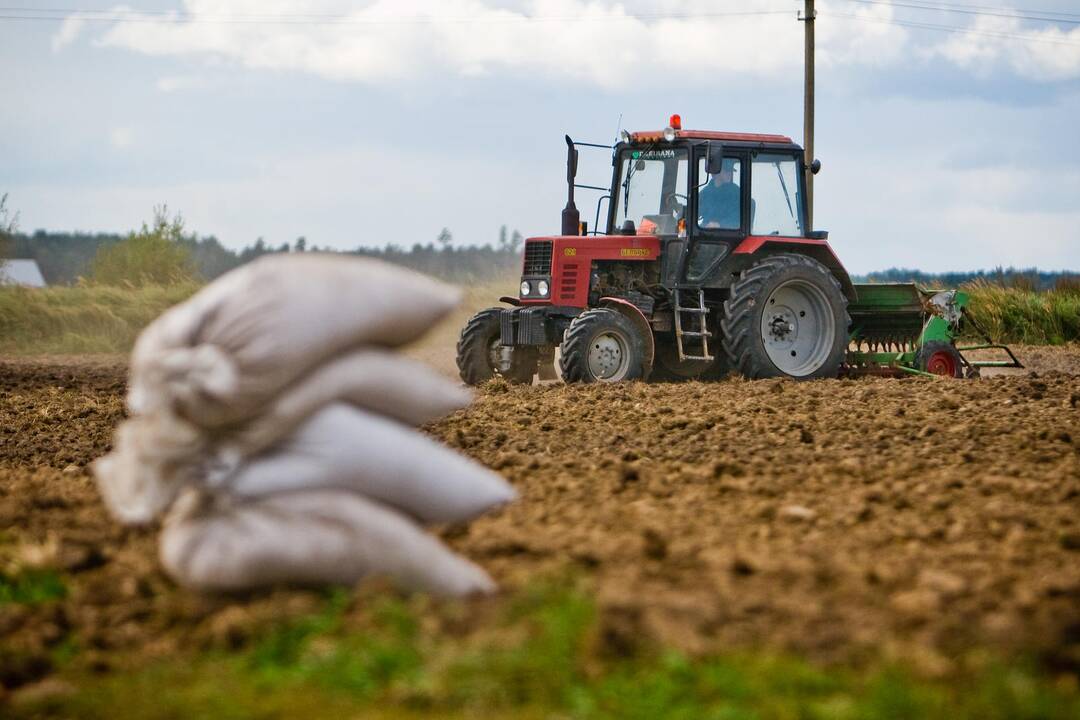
x: 21, y: 272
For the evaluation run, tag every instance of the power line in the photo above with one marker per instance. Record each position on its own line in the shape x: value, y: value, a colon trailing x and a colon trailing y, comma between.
x: 172, y: 18
x: 971, y: 10
x: 939, y: 4
x: 953, y: 29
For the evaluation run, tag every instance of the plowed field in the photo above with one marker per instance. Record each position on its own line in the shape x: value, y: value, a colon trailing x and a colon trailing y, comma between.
x: 926, y: 519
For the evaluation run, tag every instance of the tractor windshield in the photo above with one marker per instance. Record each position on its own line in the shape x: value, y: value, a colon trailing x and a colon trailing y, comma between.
x: 651, y: 190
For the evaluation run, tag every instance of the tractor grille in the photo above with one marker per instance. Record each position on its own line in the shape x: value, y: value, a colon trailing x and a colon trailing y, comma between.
x: 568, y: 287
x: 537, y: 257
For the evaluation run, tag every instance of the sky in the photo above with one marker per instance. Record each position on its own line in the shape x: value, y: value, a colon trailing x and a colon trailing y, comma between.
x: 364, y: 123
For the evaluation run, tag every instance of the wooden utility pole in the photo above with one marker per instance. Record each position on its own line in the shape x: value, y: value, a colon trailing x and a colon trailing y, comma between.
x: 808, y: 110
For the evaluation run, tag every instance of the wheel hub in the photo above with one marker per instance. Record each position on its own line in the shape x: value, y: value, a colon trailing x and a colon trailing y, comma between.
x: 941, y: 363
x: 606, y: 356
x: 797, y: 328
x: 783, y: 324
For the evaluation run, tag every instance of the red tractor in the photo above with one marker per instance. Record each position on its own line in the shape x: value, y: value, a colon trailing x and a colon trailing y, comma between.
x: 707, y: 265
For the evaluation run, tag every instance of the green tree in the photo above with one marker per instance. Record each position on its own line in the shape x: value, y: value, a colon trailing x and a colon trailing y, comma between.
x: 445, y: 238
x: 155, y: 255
x: 9, y: 225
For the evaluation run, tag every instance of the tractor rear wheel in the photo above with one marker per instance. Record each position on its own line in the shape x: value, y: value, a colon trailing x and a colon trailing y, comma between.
x: 481, y: 356
x: 602, y: 345
x: 786, y: 317
x: 940, y: 358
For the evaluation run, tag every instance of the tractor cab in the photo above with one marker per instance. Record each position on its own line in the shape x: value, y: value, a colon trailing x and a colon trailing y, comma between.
x: 703, y: 193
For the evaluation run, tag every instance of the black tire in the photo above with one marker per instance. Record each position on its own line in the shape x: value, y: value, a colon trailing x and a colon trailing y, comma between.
x: 476, y: 346
x: 586, y: 335
x: 940, y: 358
x: 752, y: 294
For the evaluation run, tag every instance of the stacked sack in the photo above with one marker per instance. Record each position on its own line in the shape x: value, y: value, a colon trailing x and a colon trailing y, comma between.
x: 272, y: 421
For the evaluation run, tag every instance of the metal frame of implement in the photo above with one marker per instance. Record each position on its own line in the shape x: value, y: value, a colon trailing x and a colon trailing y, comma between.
x: 892, y: 321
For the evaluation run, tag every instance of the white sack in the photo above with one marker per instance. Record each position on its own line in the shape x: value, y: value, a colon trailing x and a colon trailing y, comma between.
x: 154, y: 456
x: 221, y: 355
x: 310, y: 538
x: 351, y: 449
x: 152, y: 459
x: 377, y: 380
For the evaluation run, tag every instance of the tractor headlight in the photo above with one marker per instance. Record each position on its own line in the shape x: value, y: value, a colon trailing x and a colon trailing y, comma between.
x: 542, y: 288
x: 525, y: 287
x: 669, y: 134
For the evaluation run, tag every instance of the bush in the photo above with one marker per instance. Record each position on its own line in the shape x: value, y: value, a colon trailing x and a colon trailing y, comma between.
x: 155, y: 255
x: 1011, y: 314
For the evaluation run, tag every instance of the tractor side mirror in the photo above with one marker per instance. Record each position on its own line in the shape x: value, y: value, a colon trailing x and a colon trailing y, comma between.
x: 815, y: 167
x: 714, y: 162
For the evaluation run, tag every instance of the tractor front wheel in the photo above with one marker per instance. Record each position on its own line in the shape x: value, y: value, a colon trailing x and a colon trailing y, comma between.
x: 602, y: 345
x: 481, y: 355
x: 940, y: 358
x: 786, y: 317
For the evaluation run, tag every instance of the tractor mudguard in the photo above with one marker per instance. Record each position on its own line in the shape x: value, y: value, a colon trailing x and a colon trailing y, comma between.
x: 634, y: 314
x: 811, y: 247
x: 510, y: 300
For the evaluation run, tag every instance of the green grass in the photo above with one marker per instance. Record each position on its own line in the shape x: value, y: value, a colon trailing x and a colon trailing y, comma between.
x: 539, y: 655
x: 31, y: 587
x: 1018, y: 315
x: 82, y: 318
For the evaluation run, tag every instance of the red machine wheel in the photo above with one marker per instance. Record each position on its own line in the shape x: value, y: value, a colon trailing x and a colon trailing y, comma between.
x: 940, y: 358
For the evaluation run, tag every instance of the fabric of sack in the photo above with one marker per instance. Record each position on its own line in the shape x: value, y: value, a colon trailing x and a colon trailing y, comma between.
x: 380, y: 381
x: 218, y: 357
x: 153, y: 458
x: 156, y: 455
x: 309, y: 537
x: 347, y: 448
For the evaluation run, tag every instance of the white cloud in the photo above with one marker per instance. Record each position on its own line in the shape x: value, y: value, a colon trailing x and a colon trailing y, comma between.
x: 121, y: 138
x: 68, y: 32
x: 175, y: 83
x: 1053, y: 56
x: 596, y: 42
x: 591, y: 41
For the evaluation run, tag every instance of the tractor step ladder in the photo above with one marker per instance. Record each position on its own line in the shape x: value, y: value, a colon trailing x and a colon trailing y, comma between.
x: 698, y: 328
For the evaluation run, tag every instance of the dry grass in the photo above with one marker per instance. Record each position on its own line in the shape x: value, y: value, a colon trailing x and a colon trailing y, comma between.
x: 1018, y: 315
x: 104, y: 319
x: 81, y: 319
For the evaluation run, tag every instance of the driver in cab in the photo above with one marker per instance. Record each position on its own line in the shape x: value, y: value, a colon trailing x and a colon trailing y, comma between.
x: 719, y: 201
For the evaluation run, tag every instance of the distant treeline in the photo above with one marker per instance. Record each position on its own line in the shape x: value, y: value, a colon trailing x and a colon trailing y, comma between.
x: 1020, y: 278
x: 65, y: 257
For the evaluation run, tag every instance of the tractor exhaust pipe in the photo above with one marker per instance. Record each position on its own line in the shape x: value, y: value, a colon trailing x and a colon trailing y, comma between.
x: 571, y: 218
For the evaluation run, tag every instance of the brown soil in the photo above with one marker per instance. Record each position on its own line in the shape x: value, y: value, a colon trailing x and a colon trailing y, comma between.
x: 923, y: 518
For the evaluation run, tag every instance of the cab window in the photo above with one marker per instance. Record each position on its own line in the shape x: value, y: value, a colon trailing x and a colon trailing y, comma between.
x: 719, y: 196
x: 775, y: 196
